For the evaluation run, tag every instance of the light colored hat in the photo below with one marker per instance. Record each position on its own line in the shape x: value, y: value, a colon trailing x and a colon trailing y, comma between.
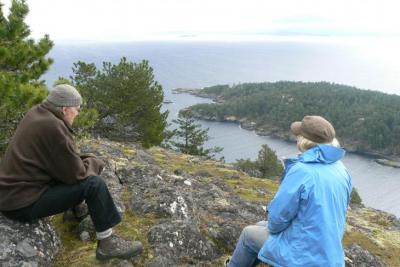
x: 314, y: 128
x: 64, y: 95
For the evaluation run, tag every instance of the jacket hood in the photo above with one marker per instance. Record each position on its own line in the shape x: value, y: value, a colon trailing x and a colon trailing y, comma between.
x: 322, y: 154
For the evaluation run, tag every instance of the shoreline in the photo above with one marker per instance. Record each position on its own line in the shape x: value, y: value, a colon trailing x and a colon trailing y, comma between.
x: 272, y: 131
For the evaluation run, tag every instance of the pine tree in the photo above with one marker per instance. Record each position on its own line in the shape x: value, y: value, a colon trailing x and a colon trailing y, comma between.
x: 21, y: 58
x: 268, y: 163
x: 191, y: 137
x: 84, y: 77
x: 248, y: 166
x: 22, y: 62
x: 128, y: 93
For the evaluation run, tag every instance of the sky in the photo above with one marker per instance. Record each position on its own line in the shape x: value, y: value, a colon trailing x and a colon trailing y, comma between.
x: 129, y: 20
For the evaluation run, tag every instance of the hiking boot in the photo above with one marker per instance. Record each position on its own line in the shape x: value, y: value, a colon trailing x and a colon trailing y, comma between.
x: 117, y: 247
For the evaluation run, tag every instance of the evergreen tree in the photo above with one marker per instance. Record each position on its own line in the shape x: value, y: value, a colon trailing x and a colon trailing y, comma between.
x: 248, y: 166
x: 16, y: 99
x: 128, y: 93
x: 84, y: 77
x: 191, y: 137
x: 86, y: 121
x: 21, y: 59
x: 22, y: 62
x: 355, y: 199
x: 268, y: 163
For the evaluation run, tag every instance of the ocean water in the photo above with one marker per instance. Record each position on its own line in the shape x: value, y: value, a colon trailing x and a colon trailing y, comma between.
x: 372, y: 64
x: 367, y: 64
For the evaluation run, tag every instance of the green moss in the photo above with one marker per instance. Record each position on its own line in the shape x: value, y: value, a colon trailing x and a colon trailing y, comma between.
x: 388, y: 253
x: 248, y: 188
x: 78, y: 253
x: 223, y: 172
x: 205, y: 180
x: 74, y: 252
x: 126, y: 196
x: 250, y: 195
x: 369, y: 229
x: 222, y: 246
x: 136, y: 227
x: 159, y: 157
x: 190, y: 164
x: 380, y: 220
x: 129, y: 152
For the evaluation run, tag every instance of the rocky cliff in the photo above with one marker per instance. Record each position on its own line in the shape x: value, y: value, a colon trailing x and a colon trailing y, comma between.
x: 186, y: 210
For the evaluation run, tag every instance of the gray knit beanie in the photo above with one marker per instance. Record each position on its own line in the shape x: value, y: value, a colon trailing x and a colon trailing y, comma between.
x: 64, y: 95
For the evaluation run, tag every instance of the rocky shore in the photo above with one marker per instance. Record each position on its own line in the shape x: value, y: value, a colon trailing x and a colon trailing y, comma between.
x: 387, y: 162
x: 273, y: 131
x: 187, y: 211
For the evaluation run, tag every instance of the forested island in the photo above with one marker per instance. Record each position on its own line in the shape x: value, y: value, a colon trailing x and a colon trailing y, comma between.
x: 365, y: 121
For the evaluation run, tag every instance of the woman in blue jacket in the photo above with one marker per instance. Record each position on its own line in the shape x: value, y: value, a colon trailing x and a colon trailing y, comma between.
x: 306, y: 218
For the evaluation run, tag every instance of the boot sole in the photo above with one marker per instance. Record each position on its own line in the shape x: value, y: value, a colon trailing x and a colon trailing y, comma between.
x: 102, y: 257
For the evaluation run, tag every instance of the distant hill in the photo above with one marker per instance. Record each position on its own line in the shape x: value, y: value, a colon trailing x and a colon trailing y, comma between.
x: 365, y: 121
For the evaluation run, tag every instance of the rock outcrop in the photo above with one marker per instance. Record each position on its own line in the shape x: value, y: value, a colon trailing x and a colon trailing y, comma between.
x: 187, y: 211
x: 356, y: 256
x: 27, y: 245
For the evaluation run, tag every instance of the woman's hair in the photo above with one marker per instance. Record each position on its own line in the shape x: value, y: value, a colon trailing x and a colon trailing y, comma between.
x: 304, y: 144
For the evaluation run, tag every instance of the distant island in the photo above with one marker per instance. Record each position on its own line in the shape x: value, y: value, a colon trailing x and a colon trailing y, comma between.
x: 366, y: 122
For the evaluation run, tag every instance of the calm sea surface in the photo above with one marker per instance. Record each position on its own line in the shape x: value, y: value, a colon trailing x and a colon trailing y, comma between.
x: 369, y: 65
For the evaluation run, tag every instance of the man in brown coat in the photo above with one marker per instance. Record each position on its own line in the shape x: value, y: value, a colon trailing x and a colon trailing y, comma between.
x: 42, y: 174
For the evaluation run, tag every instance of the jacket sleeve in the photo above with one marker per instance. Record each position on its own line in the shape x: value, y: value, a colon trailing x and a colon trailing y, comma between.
x: 66, y: 165
x: 285, y: 205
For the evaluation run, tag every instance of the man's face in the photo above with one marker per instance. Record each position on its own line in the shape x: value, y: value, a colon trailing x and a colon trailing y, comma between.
x: 70, y: 113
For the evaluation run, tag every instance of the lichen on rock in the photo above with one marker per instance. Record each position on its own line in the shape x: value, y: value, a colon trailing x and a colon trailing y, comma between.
x: 23, y: 244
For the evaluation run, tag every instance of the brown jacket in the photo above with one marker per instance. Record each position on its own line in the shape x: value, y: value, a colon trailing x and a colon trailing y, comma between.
x: 42, y: 152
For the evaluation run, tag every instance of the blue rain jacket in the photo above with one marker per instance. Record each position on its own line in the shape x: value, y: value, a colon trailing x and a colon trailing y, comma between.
x: 306, y: 218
